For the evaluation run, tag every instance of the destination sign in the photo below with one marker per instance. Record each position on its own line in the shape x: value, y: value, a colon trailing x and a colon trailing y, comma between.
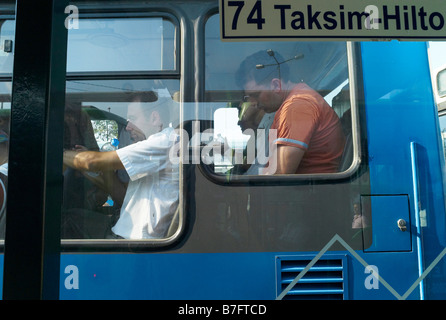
x: 336, y: 20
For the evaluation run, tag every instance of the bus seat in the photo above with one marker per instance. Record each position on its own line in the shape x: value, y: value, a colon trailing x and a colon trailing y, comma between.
x: 341, y: 105
x: 341, y: 102
x: 347, y: 155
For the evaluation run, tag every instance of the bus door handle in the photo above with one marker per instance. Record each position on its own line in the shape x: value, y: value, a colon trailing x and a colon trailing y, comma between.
x: 402, y: 224
x: 417, y: 200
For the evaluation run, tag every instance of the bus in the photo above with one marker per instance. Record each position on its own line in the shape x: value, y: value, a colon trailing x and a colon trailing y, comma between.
x: 374, y: 228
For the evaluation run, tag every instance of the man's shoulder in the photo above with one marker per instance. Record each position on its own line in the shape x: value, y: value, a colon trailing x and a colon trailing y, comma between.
x: 164, y: 138
x: 303, y: 90
x: 302, y: 96
x: 167, y: 135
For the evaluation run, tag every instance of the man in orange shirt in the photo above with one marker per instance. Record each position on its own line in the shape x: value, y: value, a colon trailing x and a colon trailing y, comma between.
x: 309, y: 134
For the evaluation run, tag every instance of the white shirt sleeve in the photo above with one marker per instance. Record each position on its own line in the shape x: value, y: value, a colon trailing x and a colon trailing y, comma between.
x: 149, y: 156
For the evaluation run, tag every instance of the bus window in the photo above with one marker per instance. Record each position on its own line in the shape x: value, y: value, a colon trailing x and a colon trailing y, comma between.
x: 132, y: 118
x: 130, y: 44
x: 248, y: 82
x: 441, y: 82
x: 7, y: 28
x: 443, y: 131
x: 440, y: 95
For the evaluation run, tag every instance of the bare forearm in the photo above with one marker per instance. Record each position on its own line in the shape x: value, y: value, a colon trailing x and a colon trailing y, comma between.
x: 79, y: 160
x: 92, y: 160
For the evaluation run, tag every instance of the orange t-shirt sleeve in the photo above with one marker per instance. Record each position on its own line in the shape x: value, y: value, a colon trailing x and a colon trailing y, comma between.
x: 295, y: 124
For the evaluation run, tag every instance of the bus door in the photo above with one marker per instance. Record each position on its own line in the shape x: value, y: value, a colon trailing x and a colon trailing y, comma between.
x: 405, y: 170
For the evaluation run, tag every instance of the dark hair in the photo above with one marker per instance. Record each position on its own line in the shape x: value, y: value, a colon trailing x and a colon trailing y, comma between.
x: 153, y: 105
x: 270, y: 70
x: 163, y: 110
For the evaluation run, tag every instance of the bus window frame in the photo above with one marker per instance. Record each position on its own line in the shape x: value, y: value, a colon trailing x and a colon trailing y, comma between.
x: 138, y: 74
x: 175, y: 74
x: 356, y: 93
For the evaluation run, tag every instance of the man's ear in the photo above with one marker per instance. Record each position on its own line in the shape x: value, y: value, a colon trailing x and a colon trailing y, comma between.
x: 276, y: 85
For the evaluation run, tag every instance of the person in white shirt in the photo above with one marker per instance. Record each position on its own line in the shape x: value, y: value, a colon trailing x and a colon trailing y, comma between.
x: 151, y: 197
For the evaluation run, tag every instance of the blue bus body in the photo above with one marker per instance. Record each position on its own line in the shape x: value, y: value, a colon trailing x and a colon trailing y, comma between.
x: 402, y: 177
x: 393, y: 123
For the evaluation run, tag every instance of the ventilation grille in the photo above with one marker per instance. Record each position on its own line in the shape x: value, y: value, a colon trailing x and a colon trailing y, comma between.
x: 326, y: 279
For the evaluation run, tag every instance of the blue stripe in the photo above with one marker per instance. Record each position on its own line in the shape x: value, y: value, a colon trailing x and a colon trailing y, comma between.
x: 303, y: 144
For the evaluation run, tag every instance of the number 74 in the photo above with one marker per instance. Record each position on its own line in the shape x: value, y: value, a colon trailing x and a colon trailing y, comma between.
x: 254, y: 17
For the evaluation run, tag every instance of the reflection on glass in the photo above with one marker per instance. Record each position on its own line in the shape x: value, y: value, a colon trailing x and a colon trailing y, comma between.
x: 7, y: 30
x: 119, y: 180
x: 130, y: 44
x: 4, y: 156
x: 443, y: 132
x: 284, y: 95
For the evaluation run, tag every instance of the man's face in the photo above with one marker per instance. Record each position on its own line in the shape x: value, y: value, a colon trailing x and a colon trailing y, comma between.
x: 261, y: 96
x: 138, y: 125
x: 250, y: 116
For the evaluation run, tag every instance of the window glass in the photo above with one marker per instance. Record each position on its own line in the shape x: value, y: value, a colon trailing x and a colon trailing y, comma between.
x: 441, y: 81
x: 119, y: 132
x: 7, y: 31
x: 118, y: 115
x: 266, y: 98
x: 130, y: 44
x: 7, y: 28
x: 5, y: 115
x: 443, y: 132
